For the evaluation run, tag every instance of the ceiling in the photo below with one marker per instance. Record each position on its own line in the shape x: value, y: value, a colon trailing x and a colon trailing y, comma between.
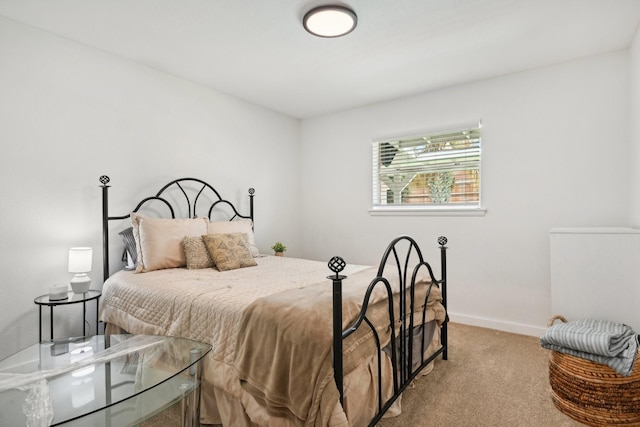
x: 257, y: 50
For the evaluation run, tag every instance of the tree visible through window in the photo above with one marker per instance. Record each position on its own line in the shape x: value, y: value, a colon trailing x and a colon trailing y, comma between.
x: 431, y: 170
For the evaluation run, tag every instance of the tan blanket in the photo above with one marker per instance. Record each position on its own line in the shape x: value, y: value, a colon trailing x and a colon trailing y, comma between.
x: 284, y: 348
x: 204, y: 305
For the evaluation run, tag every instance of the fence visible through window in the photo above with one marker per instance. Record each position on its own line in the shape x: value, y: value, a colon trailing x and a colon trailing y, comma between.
x: 434, y: 170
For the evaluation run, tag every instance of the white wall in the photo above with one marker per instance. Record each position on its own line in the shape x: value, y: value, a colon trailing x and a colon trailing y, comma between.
x: 555, y: 150
x: 634, y: 129
x: 595, y: 273
x: 69, y: 114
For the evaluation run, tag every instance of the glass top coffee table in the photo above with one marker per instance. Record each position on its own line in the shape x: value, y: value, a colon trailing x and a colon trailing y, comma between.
x: 104, y: 380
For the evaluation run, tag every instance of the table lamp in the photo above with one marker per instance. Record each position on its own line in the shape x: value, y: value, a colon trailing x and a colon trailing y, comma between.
x: 80, y: 265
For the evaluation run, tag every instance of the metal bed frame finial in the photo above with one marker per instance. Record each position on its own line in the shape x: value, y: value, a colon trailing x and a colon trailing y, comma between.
x: 336, y: 264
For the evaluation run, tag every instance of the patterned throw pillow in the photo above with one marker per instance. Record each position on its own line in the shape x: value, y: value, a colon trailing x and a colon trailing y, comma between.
x: 236, y: 226
x: 229, y: 251
x: 196, y: 253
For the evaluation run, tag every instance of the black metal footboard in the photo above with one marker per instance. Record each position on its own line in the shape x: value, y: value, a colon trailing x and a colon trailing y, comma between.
x: 404, y: 255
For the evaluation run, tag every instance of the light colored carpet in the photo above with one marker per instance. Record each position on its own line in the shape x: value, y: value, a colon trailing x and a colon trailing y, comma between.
x: 492, y: 378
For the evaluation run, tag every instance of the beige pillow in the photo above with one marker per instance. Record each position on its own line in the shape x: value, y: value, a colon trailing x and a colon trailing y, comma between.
x: 196, y: 253
x: 229, y: 251
x: 159, y: 240
x: 237, y: 226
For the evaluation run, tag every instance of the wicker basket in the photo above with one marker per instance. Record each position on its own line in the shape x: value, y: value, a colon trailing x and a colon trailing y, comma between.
x: 592, y: 393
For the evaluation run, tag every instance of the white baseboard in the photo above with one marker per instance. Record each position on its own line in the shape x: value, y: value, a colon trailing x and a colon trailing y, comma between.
x: 500, y: 325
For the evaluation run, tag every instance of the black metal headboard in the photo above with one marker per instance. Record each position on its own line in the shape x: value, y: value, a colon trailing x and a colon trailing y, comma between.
x: 190, y: 190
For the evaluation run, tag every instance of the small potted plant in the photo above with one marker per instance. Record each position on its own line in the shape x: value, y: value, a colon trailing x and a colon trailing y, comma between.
x: 279, y: 248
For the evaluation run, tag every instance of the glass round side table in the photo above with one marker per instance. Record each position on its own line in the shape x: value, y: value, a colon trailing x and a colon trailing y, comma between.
x: 72, y: 298
x: 103, y: 380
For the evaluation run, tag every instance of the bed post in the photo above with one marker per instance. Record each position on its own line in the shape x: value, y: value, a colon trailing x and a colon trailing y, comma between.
x: 337, y: 264
x: 104, y: 180
x: 251, y: 194
x: 442, y: 241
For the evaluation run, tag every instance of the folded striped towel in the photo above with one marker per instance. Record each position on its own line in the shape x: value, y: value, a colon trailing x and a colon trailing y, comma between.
x: 601, y: 341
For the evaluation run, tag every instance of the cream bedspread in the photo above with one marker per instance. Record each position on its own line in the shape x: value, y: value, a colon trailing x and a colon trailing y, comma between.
x: 208, y: 306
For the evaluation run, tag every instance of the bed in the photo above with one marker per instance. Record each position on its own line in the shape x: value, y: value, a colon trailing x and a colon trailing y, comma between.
x: 295, y: 342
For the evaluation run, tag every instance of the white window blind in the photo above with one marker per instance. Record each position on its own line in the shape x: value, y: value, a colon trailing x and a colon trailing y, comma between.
x: 435, y: 170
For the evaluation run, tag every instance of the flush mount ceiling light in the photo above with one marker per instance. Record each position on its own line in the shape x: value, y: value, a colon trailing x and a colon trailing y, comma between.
x: 330, y: 21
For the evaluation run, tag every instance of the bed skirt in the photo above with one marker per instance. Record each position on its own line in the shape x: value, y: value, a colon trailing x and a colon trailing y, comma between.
x: 224, y: 402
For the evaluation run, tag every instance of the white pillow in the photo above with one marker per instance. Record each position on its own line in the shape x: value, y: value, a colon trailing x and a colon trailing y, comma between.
x: 237, y: 226
x: 159, y: 240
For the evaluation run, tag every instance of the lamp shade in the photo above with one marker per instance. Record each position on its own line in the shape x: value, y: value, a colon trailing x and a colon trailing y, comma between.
x: 80, y: 260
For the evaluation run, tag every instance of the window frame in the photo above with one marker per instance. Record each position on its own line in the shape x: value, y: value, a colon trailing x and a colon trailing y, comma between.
x: 377, y: 208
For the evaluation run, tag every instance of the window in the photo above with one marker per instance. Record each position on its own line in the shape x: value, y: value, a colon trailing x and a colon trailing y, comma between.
x: 437, y: 171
